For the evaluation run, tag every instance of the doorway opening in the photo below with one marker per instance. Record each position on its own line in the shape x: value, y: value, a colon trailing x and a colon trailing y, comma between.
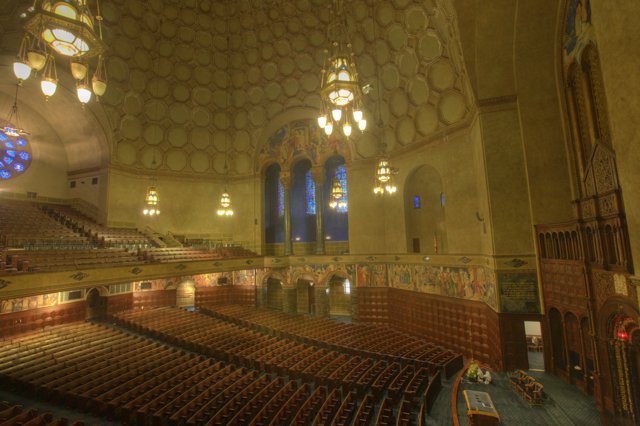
x: 535, y: 345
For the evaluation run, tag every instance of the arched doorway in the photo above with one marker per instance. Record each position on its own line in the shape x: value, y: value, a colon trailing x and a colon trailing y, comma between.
x: 424, y: 212
x: 624, y: 366
x: 305, y: 293
x: 339, y: 296
x: 186, y: 294
x: 96, y: 304
x: 274, y: 294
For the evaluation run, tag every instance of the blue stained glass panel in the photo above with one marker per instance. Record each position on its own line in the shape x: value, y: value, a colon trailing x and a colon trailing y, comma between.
x: 280, y: 198
x: 11, y: 152
x: 4, y: 174
x: 417, y: 202
x: 18, y: 167
x: 311, y: 194
x: 24, y: 155
x: 21, y: 142
x: 442, y: 199
x: 3, y: 137
x: 7, y: 160
x: 341, y: 174
x: 9, y: 145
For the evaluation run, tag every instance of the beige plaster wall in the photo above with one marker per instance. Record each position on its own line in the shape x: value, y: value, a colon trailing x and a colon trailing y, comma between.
x: 188, y: 206
x: 618, y: 33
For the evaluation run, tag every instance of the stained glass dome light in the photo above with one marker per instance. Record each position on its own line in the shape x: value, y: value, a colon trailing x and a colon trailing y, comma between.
x: 15, y: 155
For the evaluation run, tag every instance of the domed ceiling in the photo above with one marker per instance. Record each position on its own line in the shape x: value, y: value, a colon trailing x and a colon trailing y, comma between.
x: 174, y: 65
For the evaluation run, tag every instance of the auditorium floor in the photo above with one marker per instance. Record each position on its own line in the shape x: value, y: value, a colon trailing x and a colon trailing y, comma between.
x: 565, y: 405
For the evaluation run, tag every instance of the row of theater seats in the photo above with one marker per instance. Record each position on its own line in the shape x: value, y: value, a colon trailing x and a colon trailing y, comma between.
x: 182, y: 254
x: 280, y: 355
x: 15, y: 415
x: 369, y: 340
x: 64, y: 260
x: 101, y: 235
x: 23, y: 224
x: 137, y: 380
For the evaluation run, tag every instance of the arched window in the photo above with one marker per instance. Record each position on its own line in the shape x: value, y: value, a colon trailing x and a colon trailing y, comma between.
x: 336, y: 223
x: 273, y: 206
x: 311, y: 194
x: 303, y: 203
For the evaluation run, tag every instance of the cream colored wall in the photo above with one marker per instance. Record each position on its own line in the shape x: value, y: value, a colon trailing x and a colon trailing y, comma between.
x: 188, y: 206
x: 377, y: 224
x: 618, y: 33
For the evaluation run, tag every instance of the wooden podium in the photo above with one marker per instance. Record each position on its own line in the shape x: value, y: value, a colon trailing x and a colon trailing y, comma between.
x: 480, y: 409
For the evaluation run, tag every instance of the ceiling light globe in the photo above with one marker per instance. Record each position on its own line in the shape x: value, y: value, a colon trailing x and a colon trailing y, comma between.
x: 336, y: 114
x: 21, y: 70
x: 322, y: 121
x: 346, y: 129
x: 84, y: 94
x: 36, y: 59
x: 328, y: 129
x: 99, y: 86
x: 79, y: 70
x: 362, y: 124
x: 357, y: 115
x: 48, y: 86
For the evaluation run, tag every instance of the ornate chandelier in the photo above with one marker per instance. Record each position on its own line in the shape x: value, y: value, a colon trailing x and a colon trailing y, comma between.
x: 11, y: 125
x: 151, y: 207
x: 337, y: 199
x: 340, y: 92
x: 66, y: 27
x: 383, y: 182
x: 225, y: 205
x: 151, y: 200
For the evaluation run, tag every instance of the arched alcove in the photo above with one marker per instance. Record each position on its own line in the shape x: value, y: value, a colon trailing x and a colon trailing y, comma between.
x: 424, y: 211
x: 339, y: 288
x: 305, y: 295
x: 96, y: 299
x: 275, y: 294
x: 185, y: 294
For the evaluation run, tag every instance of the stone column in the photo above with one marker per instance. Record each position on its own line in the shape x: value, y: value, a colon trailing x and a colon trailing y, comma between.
x: 285, y: 178
x: 317, y: 173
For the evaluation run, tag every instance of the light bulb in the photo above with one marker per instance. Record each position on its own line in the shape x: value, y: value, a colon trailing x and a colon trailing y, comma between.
x: 362, y: 124
x: 357, y: 115
x: 21, y: 70
x: 48, y: 86
x: 322, y: 121
x: 336, y: 114
x: 328, y: 129
x: 84, y: 94
x: 346, y: 129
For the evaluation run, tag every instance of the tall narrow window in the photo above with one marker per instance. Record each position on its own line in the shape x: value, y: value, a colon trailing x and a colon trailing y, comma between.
x: 311, y: 194
x: 280, y: 198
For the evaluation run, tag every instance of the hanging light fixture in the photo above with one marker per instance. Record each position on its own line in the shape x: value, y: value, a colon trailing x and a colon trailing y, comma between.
x: 11, y: 125
x: 68, y: 28
x: 49, y: 82
x: 337, y: 199
x: 383, y: 182
x: 225, y: 208
x: 341, y: 96
x: 151, y: 201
